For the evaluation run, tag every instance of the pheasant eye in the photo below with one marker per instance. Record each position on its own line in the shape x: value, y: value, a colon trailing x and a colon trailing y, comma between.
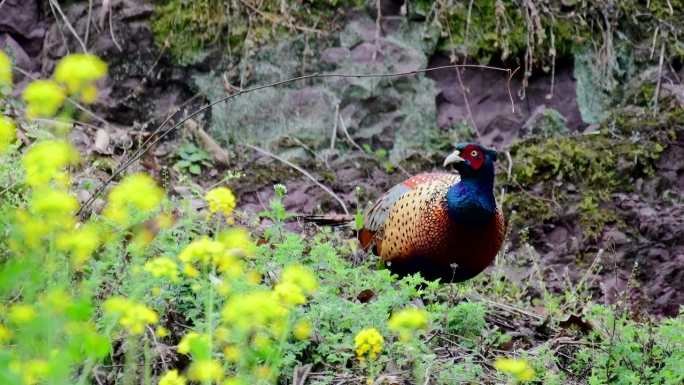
x: 474, y: 153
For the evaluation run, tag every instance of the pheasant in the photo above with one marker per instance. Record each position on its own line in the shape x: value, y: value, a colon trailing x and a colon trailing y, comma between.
x: 444, y: 226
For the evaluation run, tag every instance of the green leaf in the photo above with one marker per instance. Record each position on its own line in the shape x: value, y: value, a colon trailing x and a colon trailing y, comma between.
x: 195, y: 157
x: 183, y: 163
x: 359, y: 220
x: 195, y: 169
x: 79, y: 311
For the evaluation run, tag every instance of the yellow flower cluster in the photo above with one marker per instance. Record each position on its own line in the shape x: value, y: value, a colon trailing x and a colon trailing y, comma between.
x: 78, y: 72
x: 132, y: 316
x: 253, y: 310
x: 209, y: 252
x: 406, y: 320
x: 31, y: 371
x: 195, y: 343
x: 368, y: 341
x: 162, y: 267
x: 225, y: 254
x: 205, y: 370
x: 20, y: 313
x: 295, y: 281
x: 43, y: 98
x: 137, y: 190
x: 45, y: 161
x: 75, y: 75
x: 5, y: 70
x: 8, y: 132
x: 519, y: 368
x: 80, y: 242
x: 221, y: 199
x: 172, y: 378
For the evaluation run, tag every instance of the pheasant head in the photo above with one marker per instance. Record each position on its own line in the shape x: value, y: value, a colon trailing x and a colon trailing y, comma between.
x: 471, y: 202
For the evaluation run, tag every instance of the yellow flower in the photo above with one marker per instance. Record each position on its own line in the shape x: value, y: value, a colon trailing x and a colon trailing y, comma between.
x: 81, y: 242
x: 4, y: 334
x: 517, y: 367
x: 33, y: 371
x: 8, y: 131
x: 190, y: 271
x: 21, y: 314
x: 207, y: 251
x: 263, y: 372
x: 289, y: 293
x: 298, y: 275
x: 156, y: 290
x: 237, y: 240
x: 408, y: 319
x: 195, y: 343
x: 54, y: 204
x: 58, y: 300
x: 252, y: 310
x: 5, y: 70
x: 205, y: 370
x: 163, y: 266
x: 302, y: 330
x: 220, y: 199
x: 89, y: 94
x: 132, y: 316
x: 232, y: 353
x: 368, y: 341
x: 172, y: 378
x: 43, y: 98
x: 44, y: 161
x: 138, y: 190
x: 79, y: 70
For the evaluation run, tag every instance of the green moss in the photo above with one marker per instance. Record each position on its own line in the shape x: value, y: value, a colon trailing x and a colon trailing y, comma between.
x: 491, y: 28
x: 583, y: 171
x: 192, y: 28
x: 189, y: 26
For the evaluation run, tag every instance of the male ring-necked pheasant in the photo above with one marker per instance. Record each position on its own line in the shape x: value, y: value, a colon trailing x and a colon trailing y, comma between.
x: 444, y: 226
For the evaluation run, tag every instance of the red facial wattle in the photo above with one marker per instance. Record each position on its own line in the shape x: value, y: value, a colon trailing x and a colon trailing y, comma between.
x: 474, y: 155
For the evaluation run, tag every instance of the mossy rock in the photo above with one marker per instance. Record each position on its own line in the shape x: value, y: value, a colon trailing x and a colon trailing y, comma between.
x: 551, y: 177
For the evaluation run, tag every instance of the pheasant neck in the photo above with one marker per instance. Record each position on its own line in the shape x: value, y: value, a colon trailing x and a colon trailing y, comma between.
x: 471, y: 202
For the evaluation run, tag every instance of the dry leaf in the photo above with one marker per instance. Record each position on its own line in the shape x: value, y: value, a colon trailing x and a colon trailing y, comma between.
x: 366, y: 296
x: 573, y: 320
x: 102, y: 142
x: 208, y: 142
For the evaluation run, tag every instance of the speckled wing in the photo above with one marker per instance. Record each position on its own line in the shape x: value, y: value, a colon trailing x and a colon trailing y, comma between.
x: 398, y: 209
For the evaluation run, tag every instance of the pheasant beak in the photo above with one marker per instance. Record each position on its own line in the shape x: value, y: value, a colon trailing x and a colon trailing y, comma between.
x: 453, y: 158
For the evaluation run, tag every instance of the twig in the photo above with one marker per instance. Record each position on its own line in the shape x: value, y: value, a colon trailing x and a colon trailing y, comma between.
x: 244, y: 91
x: 304, y: 172
x: 277, y: 21
x: 467, y: 29
x: 111, y: 30
x: 346, y: 133
x: 460, y: 82
x: 656, y: 95
x: 377, y: 32
x: 90, y: 12
x: 334, y: 135
x: 68, y: 24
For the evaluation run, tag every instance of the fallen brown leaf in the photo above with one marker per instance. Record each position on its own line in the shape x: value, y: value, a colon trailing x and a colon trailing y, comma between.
x: 208, y: 142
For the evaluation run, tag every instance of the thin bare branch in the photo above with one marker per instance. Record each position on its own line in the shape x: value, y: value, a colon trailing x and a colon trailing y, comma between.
x: 275, y: 84
x: 304, y: 172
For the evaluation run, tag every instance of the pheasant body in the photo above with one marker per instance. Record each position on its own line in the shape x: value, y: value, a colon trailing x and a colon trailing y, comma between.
x: 446, y: 227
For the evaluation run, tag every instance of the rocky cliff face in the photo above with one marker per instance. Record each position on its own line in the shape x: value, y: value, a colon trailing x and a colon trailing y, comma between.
x: 592, y: 121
